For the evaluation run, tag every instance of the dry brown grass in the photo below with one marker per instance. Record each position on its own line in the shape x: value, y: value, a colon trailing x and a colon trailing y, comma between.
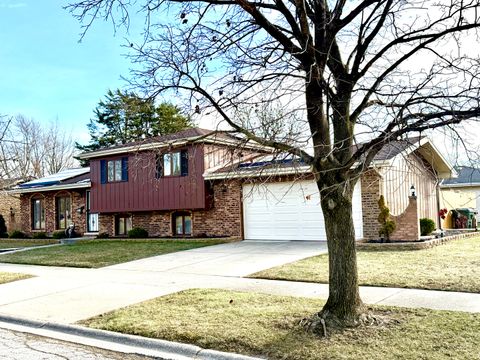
x: 452, y: 267
x: 267, y: 325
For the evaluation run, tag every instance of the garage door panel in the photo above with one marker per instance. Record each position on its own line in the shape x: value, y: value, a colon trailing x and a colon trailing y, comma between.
x: 289, y: 211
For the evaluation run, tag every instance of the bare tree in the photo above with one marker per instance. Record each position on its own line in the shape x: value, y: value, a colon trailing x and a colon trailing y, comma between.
x: 59, y: 149
x: 29, y: 150
x: 382, y: 68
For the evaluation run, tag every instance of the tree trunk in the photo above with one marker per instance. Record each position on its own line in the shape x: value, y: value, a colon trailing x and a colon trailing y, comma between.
x: 344, y: 306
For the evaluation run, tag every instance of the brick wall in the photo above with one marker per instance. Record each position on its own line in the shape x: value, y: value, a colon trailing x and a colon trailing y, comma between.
x: 10, y: 210
x: 371, y: 191
x: 223, y: 218
x: 106, y: 224
x: 408, y: 227
x: 407, y: 222
x: 77, y: 201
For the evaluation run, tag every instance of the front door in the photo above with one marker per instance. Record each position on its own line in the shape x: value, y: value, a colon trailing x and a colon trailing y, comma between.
x: 92, y: 218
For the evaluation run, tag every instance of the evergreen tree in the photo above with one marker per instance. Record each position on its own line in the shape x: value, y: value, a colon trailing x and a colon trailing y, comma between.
x: 124, y: 117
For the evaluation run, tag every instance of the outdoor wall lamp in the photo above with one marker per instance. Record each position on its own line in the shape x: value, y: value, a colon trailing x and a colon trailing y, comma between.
x: 80, y: 210
x: 413, y: 193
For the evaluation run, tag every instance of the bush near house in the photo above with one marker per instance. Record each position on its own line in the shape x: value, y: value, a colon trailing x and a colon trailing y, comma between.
x: 40, y: 235
x: 137, y: 233
x: 17, y: 234
x: 59, y: 235
x: 387, y: 225
x: 426, y: 226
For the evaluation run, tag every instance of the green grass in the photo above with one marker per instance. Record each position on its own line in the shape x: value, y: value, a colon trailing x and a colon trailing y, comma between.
x: 453, y: 267
x: 98, y: 253
x: 21, y: 243
x: 9, y: 277
x: 267, y: 325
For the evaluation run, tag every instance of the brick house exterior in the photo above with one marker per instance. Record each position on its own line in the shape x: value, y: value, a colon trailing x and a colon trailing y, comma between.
x: 49, y: 197
x: 127, y: 187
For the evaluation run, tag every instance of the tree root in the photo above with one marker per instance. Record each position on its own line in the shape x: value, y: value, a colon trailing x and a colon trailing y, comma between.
x: 323, y: 320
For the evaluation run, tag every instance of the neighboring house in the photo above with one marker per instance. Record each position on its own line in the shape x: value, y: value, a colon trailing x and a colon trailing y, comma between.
x: 10, y: 204
x: 199, y: 183
x: 461, y: 192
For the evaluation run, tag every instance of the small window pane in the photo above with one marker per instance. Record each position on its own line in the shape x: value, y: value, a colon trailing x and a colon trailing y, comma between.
x: 166, y: 164
x: 38, y: 214
x: 176, y: 163
x: 179, y: 225
x: 121, y: 226
x: 111, y: 171
x: 118, y: 170
x: 128, y: 224
x: 188, y: 225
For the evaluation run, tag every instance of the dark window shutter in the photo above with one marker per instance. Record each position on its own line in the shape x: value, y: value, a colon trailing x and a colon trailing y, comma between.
x: 158, y: 166
x: 184, y: 163
x: 125, y: 169
x: 103, y: 171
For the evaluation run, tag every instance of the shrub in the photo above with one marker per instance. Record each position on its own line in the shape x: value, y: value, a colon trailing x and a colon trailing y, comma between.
x: 3, y: 227
x: 426, y: 226
x: 387, y: 225
x: 103, y: 235
x: 137, y: 233
x: 59, y: 235
x: 17, y: 234
x: 40, y: 235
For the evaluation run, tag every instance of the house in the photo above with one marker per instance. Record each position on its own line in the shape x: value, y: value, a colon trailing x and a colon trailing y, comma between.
x: 462, y: 191
x: 9, y: 204
x: 201, y: 183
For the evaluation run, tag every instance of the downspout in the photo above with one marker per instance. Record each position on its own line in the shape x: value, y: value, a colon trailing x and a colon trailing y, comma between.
x: 437, y: 190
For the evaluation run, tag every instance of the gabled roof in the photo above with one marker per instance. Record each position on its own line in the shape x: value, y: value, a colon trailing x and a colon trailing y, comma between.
x: 268, y: 165
x: 65, y: 179
x: 467, y: 176
x: 189, y: 135
x: 396, y: 147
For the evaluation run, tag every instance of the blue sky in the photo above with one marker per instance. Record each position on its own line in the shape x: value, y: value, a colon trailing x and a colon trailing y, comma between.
x: 45, y: 73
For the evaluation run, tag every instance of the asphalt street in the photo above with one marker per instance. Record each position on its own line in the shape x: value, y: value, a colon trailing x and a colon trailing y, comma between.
x: 20, y: 346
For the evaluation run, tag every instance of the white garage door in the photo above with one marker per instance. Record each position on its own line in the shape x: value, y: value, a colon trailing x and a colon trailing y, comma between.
x: 289, y: 211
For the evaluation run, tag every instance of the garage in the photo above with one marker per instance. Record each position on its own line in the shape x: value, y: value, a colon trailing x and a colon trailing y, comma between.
x: 289, y: 211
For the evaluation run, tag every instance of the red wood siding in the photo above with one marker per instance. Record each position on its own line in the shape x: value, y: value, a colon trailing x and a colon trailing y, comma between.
x: 143, y: 192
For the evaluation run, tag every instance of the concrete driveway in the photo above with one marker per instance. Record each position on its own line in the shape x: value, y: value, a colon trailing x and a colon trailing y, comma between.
x: 66, y: 295
x: 232, y: 259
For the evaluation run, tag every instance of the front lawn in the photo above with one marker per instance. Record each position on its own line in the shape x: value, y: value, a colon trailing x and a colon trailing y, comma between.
x: 98, y: 253
x: 268, y: 326
x: 453, y: 267
x: 22, y: 243
x: 6, y: 277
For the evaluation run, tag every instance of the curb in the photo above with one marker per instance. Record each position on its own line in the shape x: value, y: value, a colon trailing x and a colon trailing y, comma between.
x: 109, y: 340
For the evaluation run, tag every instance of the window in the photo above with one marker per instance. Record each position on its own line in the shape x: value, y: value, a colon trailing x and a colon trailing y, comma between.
x: 114, y: 170
x: 172, y: 164
x: 123, y: 223
x: 182, y: 223
x: 38, y: 214
x: 64, y: 212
